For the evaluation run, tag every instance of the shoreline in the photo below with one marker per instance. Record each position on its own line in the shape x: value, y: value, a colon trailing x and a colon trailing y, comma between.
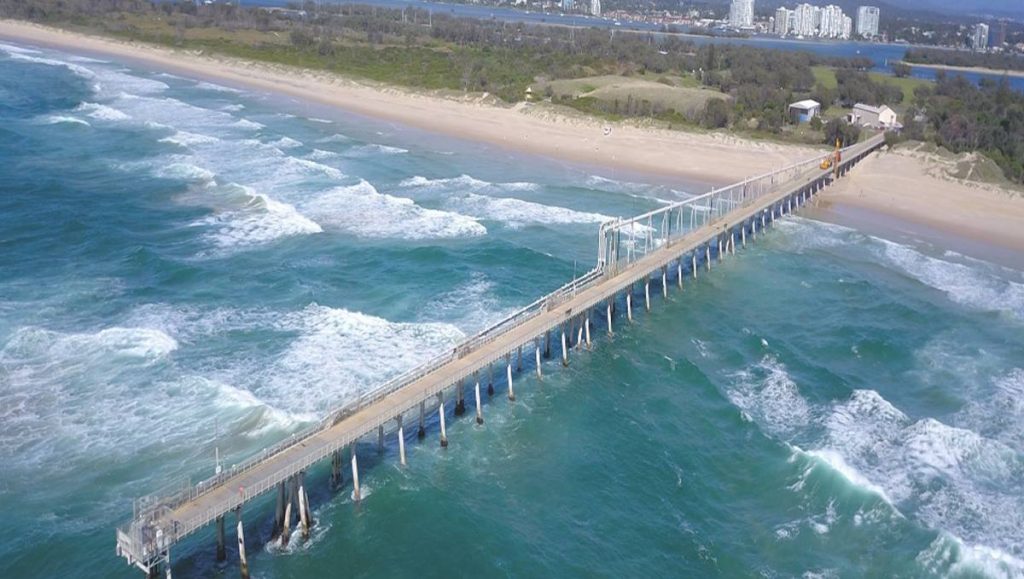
x: 979, y: 220
x: 715, y: 158
x: 904, y: 186
x: 973, y: 69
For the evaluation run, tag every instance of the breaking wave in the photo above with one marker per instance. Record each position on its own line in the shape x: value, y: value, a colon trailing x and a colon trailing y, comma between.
x: 361, y: 210
x: 516, y: 212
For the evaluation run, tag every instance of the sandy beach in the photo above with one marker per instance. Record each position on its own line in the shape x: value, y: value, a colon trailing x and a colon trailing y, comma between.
x: 904, y: 185
x: 914, y: 189
x: 977, y: 69
x: 711, y: 158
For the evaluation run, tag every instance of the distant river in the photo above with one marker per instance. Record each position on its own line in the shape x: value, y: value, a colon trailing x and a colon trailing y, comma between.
x: 189, y: 269
x: 881, y: 54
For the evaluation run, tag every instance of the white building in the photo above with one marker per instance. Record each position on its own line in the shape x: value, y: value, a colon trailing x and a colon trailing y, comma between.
x: 980, y: 37
x: 783, y: 20
x: 875, y: 117
x: 867, y: 21
x: 741, y: 14
x: 847, y: 28
x: 595, y: 7
x: 803, y: 20
x: 831, y: 25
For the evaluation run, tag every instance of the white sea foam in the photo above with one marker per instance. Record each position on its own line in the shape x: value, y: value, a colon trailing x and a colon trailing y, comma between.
x: 767, y: 393
x: 248, y: 124
x: 260, y: 220
x: 171, y: 112
x: 101, y: 112
x: 286, y: 143
x: 108, y: 394
x: 187, y: 139
x: 216, y: 87
x: 951, y: 478
x: 339, y: 354
x: 322, y: 155
x: 636, y: 190
x: 517, y: 212
x: 997, y: 411
x: 185, y: 172
x: 335, y: 138
x: 374, y: 149
x: 836, y: 462
x: 25, y: 56
x: 315, y: 167
x: 966, y: 285
x: 471, y: 306
x: 112, y: 84
x: 12, y: 49
x: 57, y: 119
x: 142, y: 343
x: 464, y: 183
x: 361, y: 210
x: 949, y: 556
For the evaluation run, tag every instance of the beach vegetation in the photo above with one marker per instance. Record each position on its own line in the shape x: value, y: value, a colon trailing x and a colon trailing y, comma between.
x: 632, y: 75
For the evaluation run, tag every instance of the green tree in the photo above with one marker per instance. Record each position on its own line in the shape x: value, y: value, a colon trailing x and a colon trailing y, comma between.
x: 845, y: 133
x: 716, y: 114
x: 900, y: 70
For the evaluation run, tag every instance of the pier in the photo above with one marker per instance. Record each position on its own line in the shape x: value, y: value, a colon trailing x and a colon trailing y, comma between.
x: 672, y: 245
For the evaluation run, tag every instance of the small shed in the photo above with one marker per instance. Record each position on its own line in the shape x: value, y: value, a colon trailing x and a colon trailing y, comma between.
x: 804, y: 111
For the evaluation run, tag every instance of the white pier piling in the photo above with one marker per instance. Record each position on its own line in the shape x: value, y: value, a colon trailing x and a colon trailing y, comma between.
x: 508, y: 374
x: 356, y: 495
x: 401, y: 435
x: 440, y: 413
x: 243, y: 562
x: 479, y: 408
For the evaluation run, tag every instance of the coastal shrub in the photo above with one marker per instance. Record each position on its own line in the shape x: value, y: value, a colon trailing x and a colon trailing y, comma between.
x: 716, y: 114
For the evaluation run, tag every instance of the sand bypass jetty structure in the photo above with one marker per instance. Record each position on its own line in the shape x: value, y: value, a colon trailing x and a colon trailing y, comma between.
x: 664, y: 247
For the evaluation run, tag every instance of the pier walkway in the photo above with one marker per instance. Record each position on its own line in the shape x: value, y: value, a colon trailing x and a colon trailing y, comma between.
x: 675, y: 242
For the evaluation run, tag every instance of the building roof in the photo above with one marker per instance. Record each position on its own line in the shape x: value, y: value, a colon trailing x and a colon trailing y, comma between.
x: 870, y: 109
x: 805, y: 105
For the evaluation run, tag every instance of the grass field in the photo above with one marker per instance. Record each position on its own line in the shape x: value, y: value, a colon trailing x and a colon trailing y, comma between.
x: 679, y: 96
x: 827, y: 77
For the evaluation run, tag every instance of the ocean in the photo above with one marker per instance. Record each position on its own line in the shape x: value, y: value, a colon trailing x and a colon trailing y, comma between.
x: 191, y: 271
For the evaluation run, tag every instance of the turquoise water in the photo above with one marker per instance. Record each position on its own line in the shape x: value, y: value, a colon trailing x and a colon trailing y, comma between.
x: 190, y: 269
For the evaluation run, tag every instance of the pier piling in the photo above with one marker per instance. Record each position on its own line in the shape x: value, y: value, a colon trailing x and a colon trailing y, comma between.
x: 440, y: 413
x: 243, y: 563
x: 401, y: 434
x: 479, y: 408
x: 222, y: 552
x: 356, y: 495
x: 540, y: 373
x: 460, y: 401
x: 608, y: 314
x: 508, y: 374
